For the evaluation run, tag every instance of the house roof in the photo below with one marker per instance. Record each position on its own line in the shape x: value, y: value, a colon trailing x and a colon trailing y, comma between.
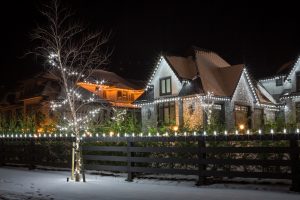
x: 185, y: 68
x: 193, y: 87
x: 147, y: 96
x: 221, y: 80
x: 207, y: 72
x: 286, y: 67
x: 216, y: 75
x: 112, y: 78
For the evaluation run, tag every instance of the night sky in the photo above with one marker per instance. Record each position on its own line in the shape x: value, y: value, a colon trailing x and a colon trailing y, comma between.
x: 263, y: 36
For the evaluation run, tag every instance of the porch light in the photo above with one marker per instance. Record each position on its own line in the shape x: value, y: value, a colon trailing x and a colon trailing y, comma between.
x: 175, y: 128
x: 241, y: 126
x: 111, y: 133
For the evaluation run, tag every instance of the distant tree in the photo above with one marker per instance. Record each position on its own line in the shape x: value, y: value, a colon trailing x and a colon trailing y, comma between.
x: 72, y: 51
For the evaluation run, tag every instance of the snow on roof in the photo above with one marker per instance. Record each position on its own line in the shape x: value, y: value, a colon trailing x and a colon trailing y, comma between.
x: 217, y: 75
x: 208, y: 72
x: 184, y: 67
x: 211, y: 57
x: 113, y: 79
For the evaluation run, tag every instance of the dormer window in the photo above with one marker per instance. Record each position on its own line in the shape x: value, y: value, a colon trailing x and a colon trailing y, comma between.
x: 165, y: 87
x: 279, y: 82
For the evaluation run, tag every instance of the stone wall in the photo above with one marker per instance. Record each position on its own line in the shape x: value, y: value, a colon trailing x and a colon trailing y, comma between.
x: 192, y: 114
x: 149, y: 117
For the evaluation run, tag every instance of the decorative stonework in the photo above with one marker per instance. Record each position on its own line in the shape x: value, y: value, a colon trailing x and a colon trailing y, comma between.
x: 149, y: 117
x: 192, y: 113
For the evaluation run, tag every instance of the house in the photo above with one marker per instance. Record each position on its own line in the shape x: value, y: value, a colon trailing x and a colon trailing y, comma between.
x: 284, y: 86
x: 30, y: 100
x: 182, y: 88
x: 116, y: 90
x: 33, y: 97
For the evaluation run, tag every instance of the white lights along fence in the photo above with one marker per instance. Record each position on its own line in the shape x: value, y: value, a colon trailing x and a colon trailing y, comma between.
x: 147, y: 135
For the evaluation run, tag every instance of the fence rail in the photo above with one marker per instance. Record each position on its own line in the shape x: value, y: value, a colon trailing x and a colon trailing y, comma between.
x: 205, y: 156
x: 274, y: 156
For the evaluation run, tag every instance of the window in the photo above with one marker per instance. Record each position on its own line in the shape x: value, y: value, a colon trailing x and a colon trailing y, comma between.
x: 104, y: 94
x: 165, y: 86
x: 166, y: 113
x: 298, y: 81
x: 297, y: 112
x: 119, y: 94
x: 279, y: 82
x: 132, y: 97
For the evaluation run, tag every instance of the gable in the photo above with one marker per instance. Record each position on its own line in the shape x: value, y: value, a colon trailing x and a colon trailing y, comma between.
x: 164, y: 70
x: 243, y: 92
x: 290, y: 81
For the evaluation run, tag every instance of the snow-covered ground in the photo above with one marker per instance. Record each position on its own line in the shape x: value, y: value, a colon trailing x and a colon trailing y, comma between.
x: 18, y: 183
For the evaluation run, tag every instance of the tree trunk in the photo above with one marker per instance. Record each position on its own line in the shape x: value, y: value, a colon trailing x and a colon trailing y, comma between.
x: 77, y: 159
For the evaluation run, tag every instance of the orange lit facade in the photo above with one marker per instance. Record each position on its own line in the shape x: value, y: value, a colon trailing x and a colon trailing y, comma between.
x: 117, y: 96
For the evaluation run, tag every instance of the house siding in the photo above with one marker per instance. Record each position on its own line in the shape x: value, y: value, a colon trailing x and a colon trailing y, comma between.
x: 242, y: 96
x: 164, y: 70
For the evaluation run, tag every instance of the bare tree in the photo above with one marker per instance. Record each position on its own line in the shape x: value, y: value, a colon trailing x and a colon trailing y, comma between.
x: 72, y: 52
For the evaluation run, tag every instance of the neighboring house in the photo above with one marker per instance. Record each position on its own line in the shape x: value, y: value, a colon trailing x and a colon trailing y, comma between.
x: 113, y: 88
x: 284, y: 86
x: 33, y: 96
x: 177, y: 94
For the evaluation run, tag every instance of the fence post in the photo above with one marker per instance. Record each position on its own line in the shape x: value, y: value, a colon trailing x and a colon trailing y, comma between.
x: 294, y: 154
x: 201, y: 166
x: 31, y: 156
x: 130, y: 164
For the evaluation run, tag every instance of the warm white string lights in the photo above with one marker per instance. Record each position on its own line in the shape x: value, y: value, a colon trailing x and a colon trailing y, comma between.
x: 141, y: 135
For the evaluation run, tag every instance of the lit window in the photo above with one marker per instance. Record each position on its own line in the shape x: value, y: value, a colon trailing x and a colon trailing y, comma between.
x: 279, y: 82
x: 166, y: 113
x: 165, y: 86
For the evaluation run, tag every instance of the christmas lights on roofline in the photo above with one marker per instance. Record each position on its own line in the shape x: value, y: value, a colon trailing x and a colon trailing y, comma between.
x: 272, y: 78
x: 294, y: 67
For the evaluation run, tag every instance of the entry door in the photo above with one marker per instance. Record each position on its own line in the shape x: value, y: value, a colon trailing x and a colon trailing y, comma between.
x: 241, y: 116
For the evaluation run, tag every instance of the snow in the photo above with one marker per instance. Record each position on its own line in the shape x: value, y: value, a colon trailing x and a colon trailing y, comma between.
x: 18, y: 183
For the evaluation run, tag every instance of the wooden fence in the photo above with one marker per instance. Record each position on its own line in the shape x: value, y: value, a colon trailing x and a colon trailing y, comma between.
x: 249, y: 156
x: 274, y: 156
x: 32, y: 152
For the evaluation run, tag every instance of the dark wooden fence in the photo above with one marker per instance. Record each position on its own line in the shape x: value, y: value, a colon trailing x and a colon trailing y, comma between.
x: 273, y: 156
x: 32, y: 152
x: 249, y: 156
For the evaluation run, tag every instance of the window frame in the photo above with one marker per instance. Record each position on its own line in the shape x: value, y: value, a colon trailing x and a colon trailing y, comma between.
x: 168, y: 119
x: 279, y: 83
x: 165, y: 84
